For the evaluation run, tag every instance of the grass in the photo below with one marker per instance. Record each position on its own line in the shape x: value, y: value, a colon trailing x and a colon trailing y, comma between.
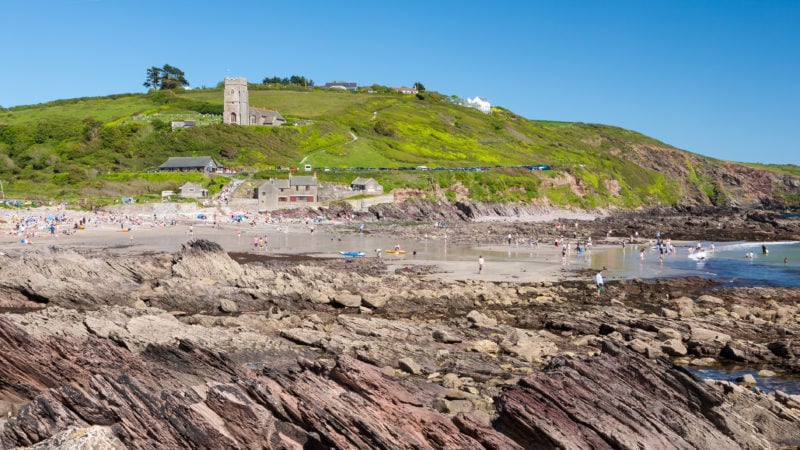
x: 105, y: 147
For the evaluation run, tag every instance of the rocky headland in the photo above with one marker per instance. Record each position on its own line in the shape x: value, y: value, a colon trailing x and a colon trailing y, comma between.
x: 205, y: 349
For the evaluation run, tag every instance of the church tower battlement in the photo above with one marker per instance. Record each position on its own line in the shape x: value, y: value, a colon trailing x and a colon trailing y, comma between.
x: 237, y: 103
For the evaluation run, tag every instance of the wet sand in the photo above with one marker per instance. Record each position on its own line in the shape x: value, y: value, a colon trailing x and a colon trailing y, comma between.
x: 512, y: 263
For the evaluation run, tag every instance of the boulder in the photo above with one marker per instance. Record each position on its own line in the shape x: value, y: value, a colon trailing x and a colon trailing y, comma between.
x: 410, y: 366
x: 668, y: 333
x: 347, y: 300
x: 746, y: 380
x: 478, y: 319
x: 710, y: 300
x: 669, y: 313
x: 673, y: 347
x: 228, y: 306
x: 483, y: 346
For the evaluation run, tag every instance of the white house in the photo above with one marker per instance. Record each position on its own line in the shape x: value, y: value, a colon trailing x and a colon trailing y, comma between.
x: 479, y: 103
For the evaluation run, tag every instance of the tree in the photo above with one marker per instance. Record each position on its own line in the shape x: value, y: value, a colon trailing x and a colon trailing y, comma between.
x: 167, y: 77
x: 153, y: 78
x: 419, y: 86
x: 172, y: 77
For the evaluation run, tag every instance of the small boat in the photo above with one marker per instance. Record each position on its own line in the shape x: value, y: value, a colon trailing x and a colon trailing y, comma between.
x: 396, y: 252
x: 352, y: 253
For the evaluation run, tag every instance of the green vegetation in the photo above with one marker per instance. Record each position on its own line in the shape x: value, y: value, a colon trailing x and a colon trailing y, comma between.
x: 103, y: 148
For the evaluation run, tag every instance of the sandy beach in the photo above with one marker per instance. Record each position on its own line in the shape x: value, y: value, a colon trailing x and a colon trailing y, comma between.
x: 429, y: 248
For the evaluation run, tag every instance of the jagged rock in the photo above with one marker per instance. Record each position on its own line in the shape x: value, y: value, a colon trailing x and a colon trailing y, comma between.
x: 669, y: 313
x: 74, y: 438
x: 481, y: 320
x: 673, y: 347
x: 710, y: 300
x: 703, y: 362
x: 483, y: 346
x: 228, y: 306
x: 549, y: 408
x: 446, y: 337
x: 668, y: 333
x: 410, y: 366
x: 451, y: 381
x: 347, y: 300
x: 747, y: 380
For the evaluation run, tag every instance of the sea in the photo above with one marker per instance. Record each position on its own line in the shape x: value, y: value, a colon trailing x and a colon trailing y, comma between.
x: 728, y: 262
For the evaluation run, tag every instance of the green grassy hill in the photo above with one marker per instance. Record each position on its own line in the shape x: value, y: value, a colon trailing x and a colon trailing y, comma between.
x: 103, y: 148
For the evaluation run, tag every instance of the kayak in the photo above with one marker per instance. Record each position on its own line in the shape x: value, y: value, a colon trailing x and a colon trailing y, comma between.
x: 352, y: 253
x: 395, y: 252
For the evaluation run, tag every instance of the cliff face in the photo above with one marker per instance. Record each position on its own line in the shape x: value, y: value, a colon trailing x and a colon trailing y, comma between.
x: 707, y: 182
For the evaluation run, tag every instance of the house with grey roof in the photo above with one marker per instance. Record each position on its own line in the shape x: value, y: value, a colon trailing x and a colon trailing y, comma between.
x: 259, y: 116
x: 205, y: 164
x: 366, y: 185
x: 295, y: 192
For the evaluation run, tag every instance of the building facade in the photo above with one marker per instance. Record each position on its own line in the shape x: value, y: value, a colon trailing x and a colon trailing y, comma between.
x: 236, y: 110
x: 205, y: 164
x: 366, y: 185
x: 295, y: 192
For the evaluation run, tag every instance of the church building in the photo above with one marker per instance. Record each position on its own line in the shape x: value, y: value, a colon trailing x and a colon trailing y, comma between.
x: 237, y: 110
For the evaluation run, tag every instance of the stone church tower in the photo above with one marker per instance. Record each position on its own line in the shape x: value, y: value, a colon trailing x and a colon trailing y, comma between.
x: 237, y: 103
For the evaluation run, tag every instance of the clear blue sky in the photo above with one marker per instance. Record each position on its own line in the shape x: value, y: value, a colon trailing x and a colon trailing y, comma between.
x: 718, y: 78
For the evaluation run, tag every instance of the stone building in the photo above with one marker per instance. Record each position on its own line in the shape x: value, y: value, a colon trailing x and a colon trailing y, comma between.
x: 297, y: 191
x: 237, y: 110
x: 205, y: 164
x: 193, y: 190
x: 366, y: 185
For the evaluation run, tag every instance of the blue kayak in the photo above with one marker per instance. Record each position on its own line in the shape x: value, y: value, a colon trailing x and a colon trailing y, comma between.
x: 352, y: 253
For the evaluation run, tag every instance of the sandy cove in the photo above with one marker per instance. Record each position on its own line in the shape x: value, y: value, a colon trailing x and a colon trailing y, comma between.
x: 180, y: 342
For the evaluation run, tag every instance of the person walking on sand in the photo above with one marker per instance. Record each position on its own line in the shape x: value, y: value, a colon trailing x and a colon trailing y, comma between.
x: 480, y: 264
x: 599, y: 281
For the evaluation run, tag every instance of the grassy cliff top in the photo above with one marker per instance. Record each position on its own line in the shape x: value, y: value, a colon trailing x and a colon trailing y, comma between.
x: 79, y: 148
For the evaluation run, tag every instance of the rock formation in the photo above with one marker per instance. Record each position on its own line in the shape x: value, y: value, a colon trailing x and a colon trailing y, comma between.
x: 201, y: 349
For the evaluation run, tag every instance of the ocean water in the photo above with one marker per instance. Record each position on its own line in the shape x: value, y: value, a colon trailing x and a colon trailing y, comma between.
x: 727, y: 263
x: 786, y: 383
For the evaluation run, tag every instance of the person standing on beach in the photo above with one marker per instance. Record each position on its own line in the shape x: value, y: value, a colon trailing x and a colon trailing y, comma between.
x: 599, y: 281
x: 509, y: 238
x: 480, y: 264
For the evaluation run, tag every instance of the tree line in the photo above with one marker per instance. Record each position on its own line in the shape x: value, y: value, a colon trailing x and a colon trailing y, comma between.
x: 167, y: 77
x: 294, y: 79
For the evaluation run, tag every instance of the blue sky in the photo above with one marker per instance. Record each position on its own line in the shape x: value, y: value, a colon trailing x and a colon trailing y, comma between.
x: 719, y: 78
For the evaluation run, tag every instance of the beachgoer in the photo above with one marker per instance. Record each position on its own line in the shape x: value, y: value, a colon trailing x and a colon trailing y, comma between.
x: 641, y: 255
x: 509, y: 238
x: 397, y: 246
x: 764, y: 250
x: 785, y: 260
x: 599, y: 281
x: 480, y: 264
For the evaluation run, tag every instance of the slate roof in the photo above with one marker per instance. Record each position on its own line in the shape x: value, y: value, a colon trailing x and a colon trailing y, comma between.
x: 303, y: 180
x: 183, y: 162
